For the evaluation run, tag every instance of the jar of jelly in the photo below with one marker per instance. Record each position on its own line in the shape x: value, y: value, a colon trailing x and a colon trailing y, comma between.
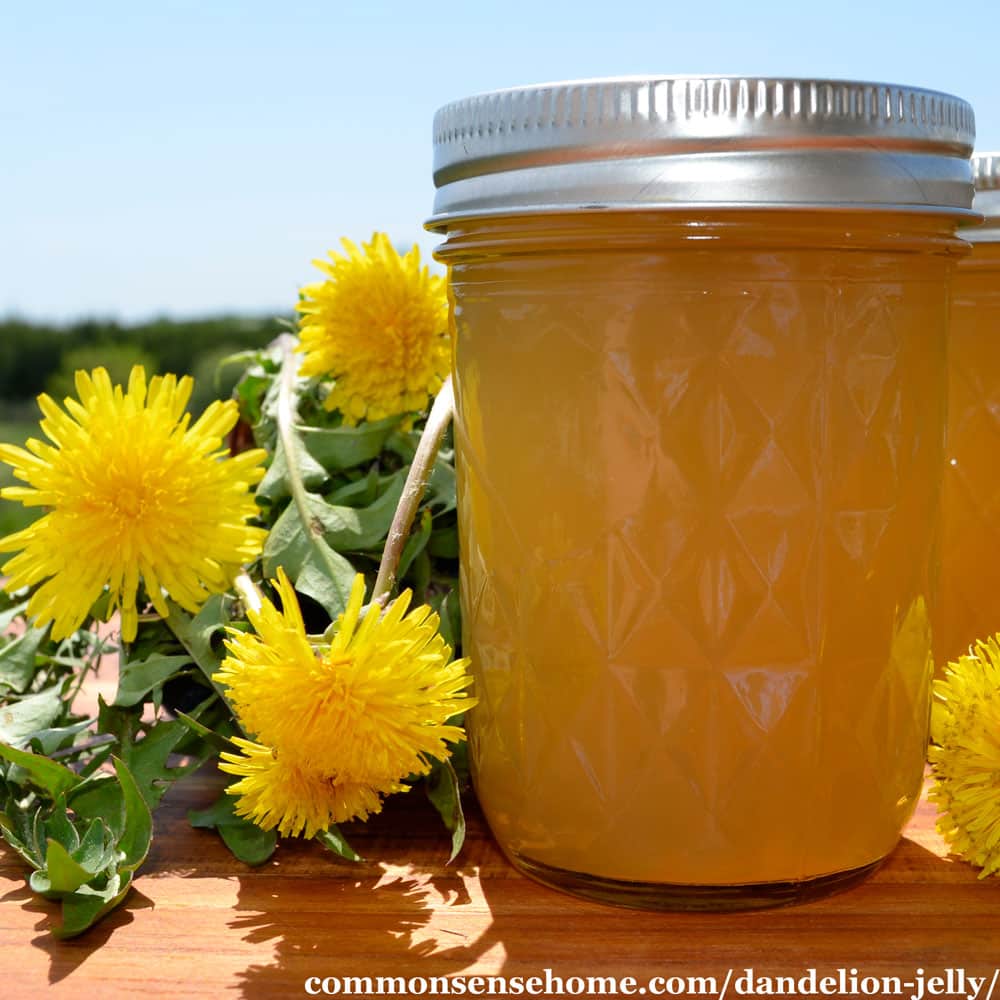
x: 968, y: 606
x: 700, y: 390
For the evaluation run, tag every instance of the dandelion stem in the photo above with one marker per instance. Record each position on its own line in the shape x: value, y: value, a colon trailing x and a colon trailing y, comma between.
x: 413, y: 491
x: 287, y: 408
x: 248, y: 592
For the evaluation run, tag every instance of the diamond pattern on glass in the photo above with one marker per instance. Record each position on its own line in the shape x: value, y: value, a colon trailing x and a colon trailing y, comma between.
x: 969, y: 587
x: 695, y: 510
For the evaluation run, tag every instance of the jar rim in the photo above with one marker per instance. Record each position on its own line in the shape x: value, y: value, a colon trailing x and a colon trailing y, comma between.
x: 641, y: 142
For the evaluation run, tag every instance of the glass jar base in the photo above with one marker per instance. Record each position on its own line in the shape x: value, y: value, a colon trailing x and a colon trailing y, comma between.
x: 683, y: 897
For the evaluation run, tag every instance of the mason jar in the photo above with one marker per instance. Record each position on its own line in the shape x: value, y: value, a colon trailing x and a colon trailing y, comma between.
x: 700, y: 390
x: 969, y: 589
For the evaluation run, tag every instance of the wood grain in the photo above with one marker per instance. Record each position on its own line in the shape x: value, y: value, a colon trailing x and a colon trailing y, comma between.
x: 200, y: 924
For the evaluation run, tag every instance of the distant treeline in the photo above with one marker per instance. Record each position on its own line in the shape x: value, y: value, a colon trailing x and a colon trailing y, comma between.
x: 36, y: 357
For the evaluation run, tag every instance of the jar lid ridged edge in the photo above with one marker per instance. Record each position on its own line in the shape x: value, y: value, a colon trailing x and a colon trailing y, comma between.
x: 786, y: 104
x: 639, y: 142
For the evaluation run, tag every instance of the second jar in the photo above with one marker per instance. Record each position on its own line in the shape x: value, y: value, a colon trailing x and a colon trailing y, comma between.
x: 700, y: 345
x: 969, y: 587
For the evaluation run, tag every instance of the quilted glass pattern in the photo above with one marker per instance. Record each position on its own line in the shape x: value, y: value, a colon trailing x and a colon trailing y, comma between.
x: 698, y: 489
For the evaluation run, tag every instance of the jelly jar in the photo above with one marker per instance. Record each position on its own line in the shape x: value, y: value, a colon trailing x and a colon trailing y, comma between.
x: 968, y: 605
x: 700, y: 392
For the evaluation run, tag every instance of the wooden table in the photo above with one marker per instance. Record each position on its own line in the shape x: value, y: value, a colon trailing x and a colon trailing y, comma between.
x: 200, y: 924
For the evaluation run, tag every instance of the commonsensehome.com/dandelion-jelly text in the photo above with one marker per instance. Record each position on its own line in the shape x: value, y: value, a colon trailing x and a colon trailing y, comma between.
x: 922, y: 984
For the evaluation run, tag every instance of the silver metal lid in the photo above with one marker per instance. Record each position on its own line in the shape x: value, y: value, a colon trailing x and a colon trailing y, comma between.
x: 986, y: 177
x: 662, y: 142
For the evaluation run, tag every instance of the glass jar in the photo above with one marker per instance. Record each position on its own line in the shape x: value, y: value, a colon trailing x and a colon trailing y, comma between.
x: 968, y: 606
x: 699, y: 370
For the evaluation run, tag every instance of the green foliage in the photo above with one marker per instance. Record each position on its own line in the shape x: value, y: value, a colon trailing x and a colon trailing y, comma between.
x: 17, y: 660
x: 31, y: 354
x: 353, y: 478
x: 137, y: 679
x: 29, y: 713
x: 445, y: 795
x: 248, y: 842
x: 83, y: 837
x: 77, y: 794
x: 333, y: 840
x: 34, y: 769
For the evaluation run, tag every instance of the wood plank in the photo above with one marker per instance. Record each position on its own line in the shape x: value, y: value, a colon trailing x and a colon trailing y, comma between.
x: 201, y: 924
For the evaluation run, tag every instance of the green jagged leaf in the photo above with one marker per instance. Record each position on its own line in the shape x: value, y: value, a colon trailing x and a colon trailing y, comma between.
x: 346, y: 447
x: 441, y: 489
x: 138, y: 677
x: 196, y: 634
x: 48, y: 741
x: 42, y: 772
x: 246, y: 359
x: 332, y: 839
x: 460, y: 754
x: 100, y: 797
x: 327, y: 579
x: 450, y: 613
x: 62, y: 875
x: 145, y: 752
x: 274, y: 486
x: 83, y: 908
x: 97, y: 847
x: 124, y: 724
x: 415, y: 544
x: 8, y: 615
x: 24, y: 849
x: 247, y: 841
x: 219, y: 813
x: 250, y: 392
x: 313, y: 567
x: 58, y: 826
x: 313, y: 562
x: 93, y: 876
x: 257, y: 392
x: 324, y: 451
x: 38, y: 833
x: 138, y: 831
x: 360, y: 492
x: 420, y: 576
x: 17, y: 829
x: 345, y: 529
x: 218, y: 740
x: 97, y: 759
x: 22, y: 718
x: 444, y: 543
x: 147, y: 759
x: 403, y: 444
x: 17, y: 659
x: 443, y: 791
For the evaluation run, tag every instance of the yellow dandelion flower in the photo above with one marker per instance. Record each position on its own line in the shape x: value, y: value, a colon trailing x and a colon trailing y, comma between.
x: 369, y: 708
x: 133, y: 492
x: 276, y: 792
x: 378, y: 326
x: 965, y: 755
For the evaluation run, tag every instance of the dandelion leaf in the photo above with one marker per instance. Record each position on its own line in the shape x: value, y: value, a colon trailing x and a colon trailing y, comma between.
x: 247, y: 841
x: 443, y: 791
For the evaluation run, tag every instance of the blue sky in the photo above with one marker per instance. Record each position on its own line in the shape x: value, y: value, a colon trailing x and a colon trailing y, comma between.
x: 192, y: 157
